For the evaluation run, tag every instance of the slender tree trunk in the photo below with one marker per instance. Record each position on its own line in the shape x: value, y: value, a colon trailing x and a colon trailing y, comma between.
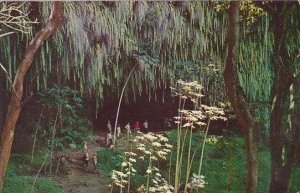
x: 237, y: 99
x: 296, y: 120
x: 120, y: 101
x: 14, y: 107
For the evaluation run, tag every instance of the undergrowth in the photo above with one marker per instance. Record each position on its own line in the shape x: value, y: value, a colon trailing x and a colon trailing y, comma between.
x: 224, y: 164
x: 18, y: 181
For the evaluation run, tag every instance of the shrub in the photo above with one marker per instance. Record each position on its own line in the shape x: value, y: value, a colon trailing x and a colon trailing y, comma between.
x: 61, y: 105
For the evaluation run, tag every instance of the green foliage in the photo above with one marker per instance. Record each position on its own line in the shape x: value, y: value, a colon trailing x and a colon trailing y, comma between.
x: 209, y: 74
x: 17, y: 182
x: 224, y: 164
x: 22, y: 184
x: 110, y: 159
x: 64, y: 97
x: 295, y: 183
x: 22, y: 164
x: 249, y: 11
x: 156, y: 35
x: 138, y: 167
x: 104, y: 40
x: 61, y: 106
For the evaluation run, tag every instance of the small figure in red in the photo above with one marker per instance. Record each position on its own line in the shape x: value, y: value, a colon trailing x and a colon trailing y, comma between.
x: 137, y: 127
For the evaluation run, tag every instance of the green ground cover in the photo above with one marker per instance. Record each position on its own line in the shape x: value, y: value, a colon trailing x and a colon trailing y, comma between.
x: 224, y: 164
x: 21, y: 174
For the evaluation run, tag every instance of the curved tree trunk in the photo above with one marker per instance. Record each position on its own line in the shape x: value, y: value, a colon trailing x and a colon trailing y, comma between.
x: 237, y: 99
x: 120, y: 101
x: 14, y: 107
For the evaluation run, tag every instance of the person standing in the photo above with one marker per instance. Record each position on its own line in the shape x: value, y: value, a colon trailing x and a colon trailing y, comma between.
x: 146, y: 126
x: 95, y: 161
x: 118, y: 131
x: 108, y: 139
x: 85, y: 147
x: 137, y: 127
x: 109, y: 126
x: 127, y: 127
x: 86, y: 159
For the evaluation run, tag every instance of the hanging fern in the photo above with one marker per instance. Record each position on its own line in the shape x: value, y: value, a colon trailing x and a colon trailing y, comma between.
x: 100, y: 42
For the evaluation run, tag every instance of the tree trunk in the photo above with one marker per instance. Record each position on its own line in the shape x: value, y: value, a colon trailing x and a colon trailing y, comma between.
x: 296, y: 120
x: 280, y: 176
x: 14, y: 107
x: 120, y: 101
x: 237, y: 98
x: 282, y: 164
x: 282, y: 169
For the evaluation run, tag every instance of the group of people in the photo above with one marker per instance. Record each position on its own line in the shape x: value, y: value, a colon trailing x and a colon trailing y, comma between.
x: 86, y: 158
x: 109, y: 141
x: 137, y: 128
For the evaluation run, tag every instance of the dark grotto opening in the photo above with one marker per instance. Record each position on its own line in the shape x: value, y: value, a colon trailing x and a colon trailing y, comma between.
x: 156, y: 112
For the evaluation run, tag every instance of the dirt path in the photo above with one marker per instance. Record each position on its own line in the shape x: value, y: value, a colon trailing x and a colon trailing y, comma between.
x: 77, y: 180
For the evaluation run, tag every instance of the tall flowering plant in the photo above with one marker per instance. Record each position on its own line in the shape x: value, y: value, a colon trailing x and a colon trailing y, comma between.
x: 150, y: 148
x: 189, y: 120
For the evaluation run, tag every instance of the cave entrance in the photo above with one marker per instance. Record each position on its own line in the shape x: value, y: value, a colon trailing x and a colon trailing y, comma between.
x: 157, y: 113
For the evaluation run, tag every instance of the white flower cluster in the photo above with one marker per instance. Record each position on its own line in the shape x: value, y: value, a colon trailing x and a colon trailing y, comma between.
x: 187, y: 89
x: 214, y: 113
x: 190, y: 118
x: 197, y: 181
x: 160, y: 185
x: 120, y: 178
x: 213, y: 139
x: 152, y: 169
x: 152, y: 145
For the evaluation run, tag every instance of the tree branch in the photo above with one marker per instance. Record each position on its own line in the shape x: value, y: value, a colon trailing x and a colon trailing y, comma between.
x: 14, y: 107
x: 265, y: 6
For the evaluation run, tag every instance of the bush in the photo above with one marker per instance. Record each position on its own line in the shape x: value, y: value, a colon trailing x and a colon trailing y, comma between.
x: 61, y: 105
x: 16, y: 182
x: 21, y: 163
x: 110, y: 159
x: 22, y: 184
x: 224, y: 164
